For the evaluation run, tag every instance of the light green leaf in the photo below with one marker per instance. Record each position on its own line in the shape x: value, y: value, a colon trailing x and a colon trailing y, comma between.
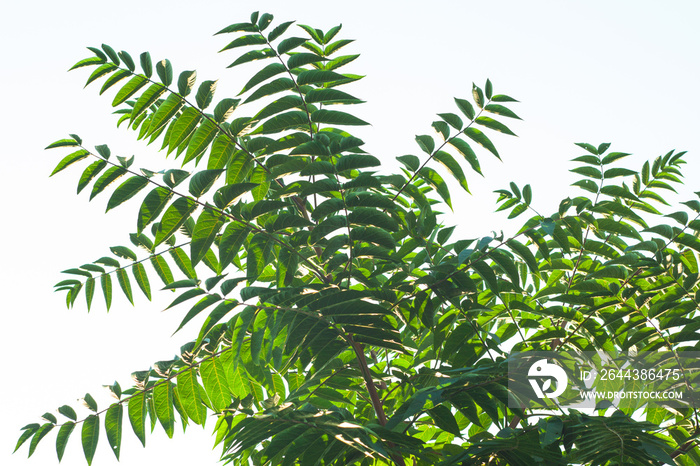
x: 148, y: 98
x: 183, y: 128
x: 141, y: 277
x: 137, y: 416
x: 189, y: 391
x: 106, y: 282
x: 215, y: 383
x: 129, y: 89
x: 165, y: 112
x: 125, y: 284
x: 163, y: 400
x: 69, y: 160
x: 183, y: 262
x: 126, y: 191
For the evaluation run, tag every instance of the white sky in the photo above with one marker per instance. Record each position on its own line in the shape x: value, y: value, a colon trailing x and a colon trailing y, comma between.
x: 598, y: 71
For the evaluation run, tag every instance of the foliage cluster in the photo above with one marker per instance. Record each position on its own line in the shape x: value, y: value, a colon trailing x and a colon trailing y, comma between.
x: 342, y: 322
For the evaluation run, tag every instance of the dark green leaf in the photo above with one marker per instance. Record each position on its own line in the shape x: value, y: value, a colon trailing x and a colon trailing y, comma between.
x: 113, y: 427
x: 176, y: 215
x: 89, y: 436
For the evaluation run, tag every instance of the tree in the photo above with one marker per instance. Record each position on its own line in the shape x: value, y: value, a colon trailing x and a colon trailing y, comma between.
x: 342, y: 323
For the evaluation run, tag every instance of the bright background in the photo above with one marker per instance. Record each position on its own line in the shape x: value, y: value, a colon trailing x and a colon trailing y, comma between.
x: 598, y: 71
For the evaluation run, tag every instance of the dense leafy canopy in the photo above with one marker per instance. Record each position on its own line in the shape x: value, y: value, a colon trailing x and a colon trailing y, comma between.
x: 343, y: 322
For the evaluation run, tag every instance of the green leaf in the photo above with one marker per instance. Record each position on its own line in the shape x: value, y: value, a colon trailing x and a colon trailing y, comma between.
x: 126, y: 191
x: 106, y: 283
x: 141, y: 277
x: 266, y: 73
x: 205, y: 94
x: 189, y: 391
x: 69, y: 160
x: 502, y: 98
x: 101, y: 71
x: 259, y: 255
x: 107, y: 178
x: 88, y: 62
x: 148, y: 98
x: 289, y: 44
x: 432, y: 177
x: 125, y: 284
x: 238, y: 27
x: 279, y: 30
x: 333, y: 117
x: 183, y: 262
x: 465, y: 149
x: 501, y: 110
x: 129, y: 89
x: 183, y: 127
x: 162, y: 269
x: 465, y: 107
x: 165, y: 112
x: 62, y: 438
x: 164, y: 69
x: 224, y: 109
x: 228, y: 194
x: 215, y: 316
x: 444, y: 419
x: 137, y: 416
x: 40, y: 434
x: 284, y: 121
x: 208, y: 225
x: 300, y: 59
x: 113, y: 427
x: 163, y: 400
x: 481, y: 139
x: 494, y: 125
x: 453, y: 167
x: 202, y: 181
x: 330, y: 96
x: 89, y: 173
x: 215, y: 383
x: 453, y: 120
x: 68, y: 412
x: 90, y: 435
x: 146, y: 64
x: 273, y: 87
x: 173, y: 218
x: 152, y: 206
x: 201, y: 139
x: 318, y: 77
x: 231, y: 242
